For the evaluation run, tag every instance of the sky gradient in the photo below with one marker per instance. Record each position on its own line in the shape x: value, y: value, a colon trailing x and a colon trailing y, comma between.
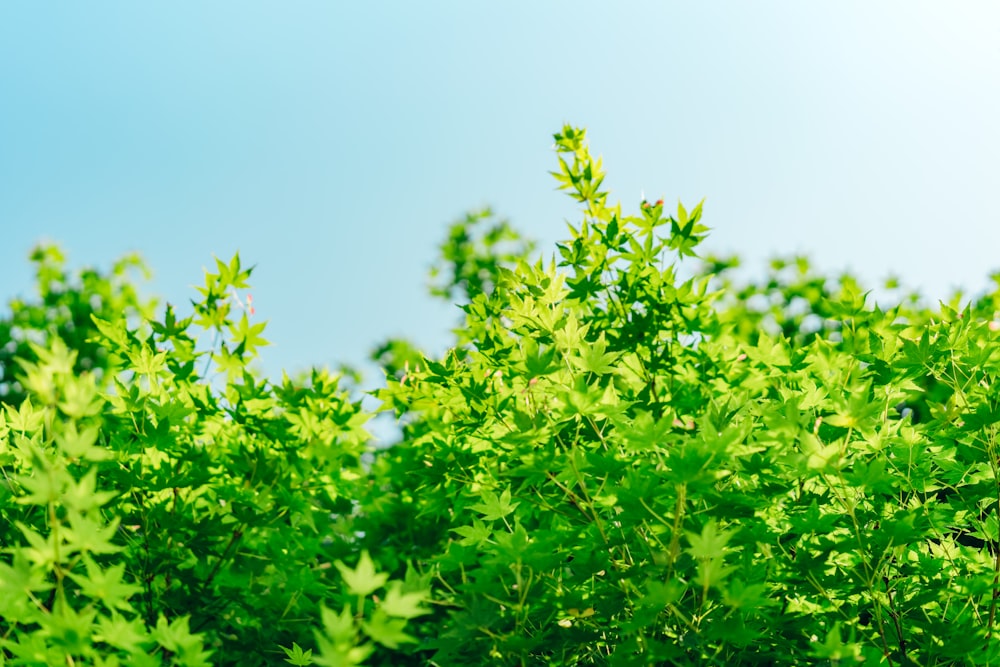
x: 332, y: 143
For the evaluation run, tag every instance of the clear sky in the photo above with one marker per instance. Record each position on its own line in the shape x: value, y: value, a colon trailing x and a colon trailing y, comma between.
x: 331, y: 143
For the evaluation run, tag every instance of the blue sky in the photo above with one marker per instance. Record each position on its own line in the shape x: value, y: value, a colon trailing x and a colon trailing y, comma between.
x: 331, y: 143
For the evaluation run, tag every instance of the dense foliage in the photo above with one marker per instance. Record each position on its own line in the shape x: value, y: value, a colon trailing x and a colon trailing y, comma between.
x: 625, y: 459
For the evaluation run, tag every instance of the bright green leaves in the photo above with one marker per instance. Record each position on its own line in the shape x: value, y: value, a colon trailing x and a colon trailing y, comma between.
x: 247, y: 337
x: 596, y: 446
x: 232, y: 359
x: 387, y: 631
x: 850, y: 302
x: 170, y: 328
x: 362, y: 580
x: 493, y: 508
x: 594, y: 358
x: 80, y: 399
x: 176, y: 637
x: 231, y: 274
x: 571, y: 140
x: 770, y: 352
x: 62, y: 312
x: 582, y: 175
x: 339, y: 643
x: 218, y: 494
x: 349, y: 639
x: 710, y: 543
x: 475, y: 534
x: 856, y: 411
x: 147, y: 363
x: 108, y: 586
x: 740, y: 595
x: 686, y: 233
x: 538, y: 361
x: 570, y: 335
x: 129, y: 635
x: 39, y: 377
x: 296, y: 656
x: 401, y: 604
x: 25, y: 419
x: 114, y: 331
x: 219, y: 293
x: 581, y: 398
x: 621, y: 460
x: 60, y: 536
x: 646, y: 433
x: 834, y: 649
x: 478, y: 247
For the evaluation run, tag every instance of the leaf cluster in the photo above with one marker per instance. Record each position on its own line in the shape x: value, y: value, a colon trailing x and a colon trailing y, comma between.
x: 626, y: 458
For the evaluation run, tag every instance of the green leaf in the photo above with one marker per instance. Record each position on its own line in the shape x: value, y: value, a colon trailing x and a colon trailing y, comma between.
x: 107, y: 585
x: 493, y: 508
x: 80, y: 399
x: 513, y: 545
x: 835, y: 649
x: 147, y: 362
x: 387, y: 631
x: 115, y: 332
x: 338, y: 643
x: 475, y: 534
x: 25, y: 419
x: 80, y: 444
x: 339, y: 627
x: 296, y: 656
x: 127, y: 634
x: 594, y: 358
x: 248, y: 336
x: 682, y: 214
x: 176, y: 636
x: 83, y: 495
x: 362, y: 580
x: 712, y: 571
x: 403, y: 605
x: 710, y: 543
x: 740, y: 595
x: 34, y: 649
x: 88, y: 535
x: 21, y: 579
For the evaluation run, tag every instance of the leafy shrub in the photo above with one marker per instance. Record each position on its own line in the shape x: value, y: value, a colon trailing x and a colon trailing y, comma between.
x: 172, y: 518
x: 626, y: 458
x: 623, y: 466
x: 63, y: 309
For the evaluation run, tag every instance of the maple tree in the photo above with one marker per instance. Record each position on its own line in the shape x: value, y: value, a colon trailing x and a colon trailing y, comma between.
x: 625, y: 458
